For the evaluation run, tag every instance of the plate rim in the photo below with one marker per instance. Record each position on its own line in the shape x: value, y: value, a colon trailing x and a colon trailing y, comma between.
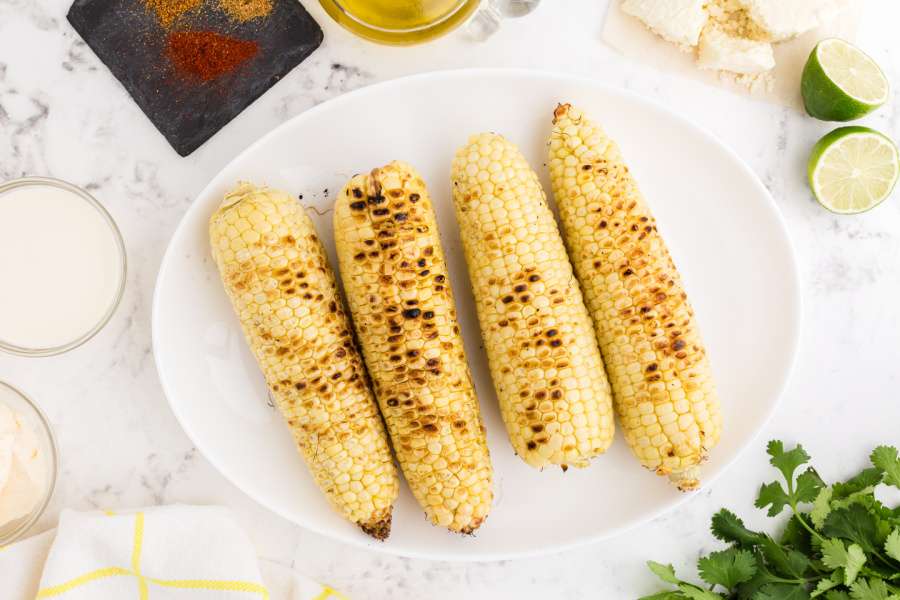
x: 795, y: 307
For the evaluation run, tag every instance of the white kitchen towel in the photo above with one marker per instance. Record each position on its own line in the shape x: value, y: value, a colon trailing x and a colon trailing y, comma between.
x: 21, y: 565
x: 164, y: 553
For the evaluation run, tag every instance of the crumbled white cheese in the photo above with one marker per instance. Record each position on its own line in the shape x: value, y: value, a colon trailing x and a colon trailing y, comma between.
x: 678, y: 21
x: 22, y: 467
x: 784, y: 19
x: 719, y: 51
x: 730, y: 17
x: 734, y: 37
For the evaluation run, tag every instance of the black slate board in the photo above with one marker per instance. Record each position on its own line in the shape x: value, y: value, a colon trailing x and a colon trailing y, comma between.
x: 129, y: 39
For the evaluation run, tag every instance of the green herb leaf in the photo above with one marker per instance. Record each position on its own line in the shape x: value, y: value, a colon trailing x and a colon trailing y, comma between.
x: 727, y: 568
x: 837, y: 595
x: 773, y: 496
x: 856, y: 558
x: 853, y: 523
x: 728, y: 527
x: 748, y: 589
x: 786, y: 461
x: 808, y: 485
x: 892, y: 545
x: 883, y: 518
x: 836, y: 556
x: 781, y: 591
x: 665, y: 596
x: 886, y: 459
x: 861, y: 497
x: 869, y: 589
x: 784, y: 561
x: 796, y: 535
x: 695, y: 593
x: 664, y: 572
x: 823, y: 586
x: 865, y: 479
x: 821, y: 507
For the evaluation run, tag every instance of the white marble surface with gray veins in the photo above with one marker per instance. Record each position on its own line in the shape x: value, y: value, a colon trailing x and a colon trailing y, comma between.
x: 63, y: 114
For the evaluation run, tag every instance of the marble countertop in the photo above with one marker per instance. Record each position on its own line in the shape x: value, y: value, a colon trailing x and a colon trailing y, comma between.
x: 63, y: 114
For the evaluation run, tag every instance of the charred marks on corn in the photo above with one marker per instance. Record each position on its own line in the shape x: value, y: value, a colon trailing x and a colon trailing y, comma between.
x: 540, y: 344
x: 411, y: 319
x: 305, y: 373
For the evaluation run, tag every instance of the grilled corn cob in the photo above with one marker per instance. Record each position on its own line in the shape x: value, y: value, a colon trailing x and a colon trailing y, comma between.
x: 277, y: 276
x: 394, y: 273
x: 543, y: 356
x: 658, y: 368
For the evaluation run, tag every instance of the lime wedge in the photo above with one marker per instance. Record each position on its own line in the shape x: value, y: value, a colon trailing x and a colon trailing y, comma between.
x: 841, y: 83
x: 853, y: 169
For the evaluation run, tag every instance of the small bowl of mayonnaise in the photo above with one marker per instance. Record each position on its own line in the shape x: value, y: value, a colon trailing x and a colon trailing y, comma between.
x: 28, y: 463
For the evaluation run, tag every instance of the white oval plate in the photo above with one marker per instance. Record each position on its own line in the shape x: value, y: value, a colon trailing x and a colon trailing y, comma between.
x: 723, y: 228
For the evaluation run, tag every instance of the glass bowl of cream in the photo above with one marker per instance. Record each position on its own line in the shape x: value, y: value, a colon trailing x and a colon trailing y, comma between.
x: 28, y: 463
x: 62, y: 263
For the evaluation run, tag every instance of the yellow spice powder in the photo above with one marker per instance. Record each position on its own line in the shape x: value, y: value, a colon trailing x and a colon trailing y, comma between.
x: 169, y: 10
x: 245, y: 10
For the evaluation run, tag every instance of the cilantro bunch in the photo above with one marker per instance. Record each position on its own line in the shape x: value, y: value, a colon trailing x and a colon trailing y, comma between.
x: 840, y: 543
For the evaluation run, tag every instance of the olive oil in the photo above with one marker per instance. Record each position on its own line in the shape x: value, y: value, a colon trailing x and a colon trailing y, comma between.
x: 400, y: 22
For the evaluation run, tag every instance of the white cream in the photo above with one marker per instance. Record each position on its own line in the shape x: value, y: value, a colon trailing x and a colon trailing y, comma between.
x: 23, y: 467
x: 60, y: 266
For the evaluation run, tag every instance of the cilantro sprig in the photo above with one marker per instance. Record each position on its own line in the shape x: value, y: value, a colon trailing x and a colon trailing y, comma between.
x: 840, y: 542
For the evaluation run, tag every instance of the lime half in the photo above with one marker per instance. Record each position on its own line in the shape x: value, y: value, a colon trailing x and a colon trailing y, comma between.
x: 841, y: 83
x: 853, y: 169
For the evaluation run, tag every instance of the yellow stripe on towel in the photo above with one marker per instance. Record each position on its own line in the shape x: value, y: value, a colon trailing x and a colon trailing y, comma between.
x: 143, y: 592
x: 56, y: 590
x: 209, y: 584
x: 328, y: 592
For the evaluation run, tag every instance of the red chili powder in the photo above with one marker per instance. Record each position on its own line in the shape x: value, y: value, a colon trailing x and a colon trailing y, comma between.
x: 205, y: 55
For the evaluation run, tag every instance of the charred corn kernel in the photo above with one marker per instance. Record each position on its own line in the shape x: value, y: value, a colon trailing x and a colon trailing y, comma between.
x: 657, y: 364
x: 395, y: 276
x: 277, y: 276
x: 540, y: 343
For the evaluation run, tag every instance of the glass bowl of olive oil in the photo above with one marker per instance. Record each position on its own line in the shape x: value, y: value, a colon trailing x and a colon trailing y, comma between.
x: 400, y: 22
